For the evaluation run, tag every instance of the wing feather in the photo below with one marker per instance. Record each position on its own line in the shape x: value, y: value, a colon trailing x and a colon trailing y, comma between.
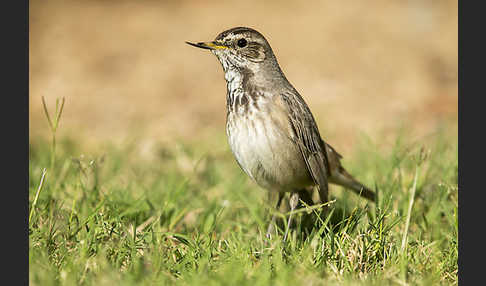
x: 307, y: 137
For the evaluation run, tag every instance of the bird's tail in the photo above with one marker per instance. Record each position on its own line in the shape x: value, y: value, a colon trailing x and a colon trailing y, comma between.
x: 343, y: 178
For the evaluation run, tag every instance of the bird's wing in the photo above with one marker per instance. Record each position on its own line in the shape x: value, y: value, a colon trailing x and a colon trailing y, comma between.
x: 322, y: 160
x: 304, y: 132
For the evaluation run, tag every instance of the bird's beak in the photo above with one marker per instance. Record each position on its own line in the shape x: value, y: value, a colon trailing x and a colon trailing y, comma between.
x: 208, y: 45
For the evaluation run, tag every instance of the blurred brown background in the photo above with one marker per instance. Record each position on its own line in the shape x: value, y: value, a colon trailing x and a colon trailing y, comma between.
x: 364, y: 67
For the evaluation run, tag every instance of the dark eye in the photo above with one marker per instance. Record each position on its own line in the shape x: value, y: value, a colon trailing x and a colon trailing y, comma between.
x: 242, y: 43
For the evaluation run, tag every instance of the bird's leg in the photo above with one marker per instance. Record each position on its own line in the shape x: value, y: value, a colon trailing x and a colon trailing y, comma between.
x: 324, y: 198
x: 305, y: 195
x: 323, y: 194
x: 274, y: 217
x: 294, y: 200
x: 308, y: 219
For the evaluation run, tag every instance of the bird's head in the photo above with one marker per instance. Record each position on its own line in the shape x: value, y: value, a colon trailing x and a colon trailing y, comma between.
x: 243, y: 49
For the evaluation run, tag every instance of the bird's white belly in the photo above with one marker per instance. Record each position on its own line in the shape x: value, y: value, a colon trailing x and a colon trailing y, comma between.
x: 266, y: 153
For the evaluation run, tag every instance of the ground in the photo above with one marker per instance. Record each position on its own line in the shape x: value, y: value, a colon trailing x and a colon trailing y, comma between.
x: 141, y: 187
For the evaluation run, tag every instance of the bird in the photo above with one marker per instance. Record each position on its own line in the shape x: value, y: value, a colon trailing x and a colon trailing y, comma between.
x: 270, y: 128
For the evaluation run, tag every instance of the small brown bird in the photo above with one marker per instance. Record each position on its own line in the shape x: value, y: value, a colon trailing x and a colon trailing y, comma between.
x: 270, y: 128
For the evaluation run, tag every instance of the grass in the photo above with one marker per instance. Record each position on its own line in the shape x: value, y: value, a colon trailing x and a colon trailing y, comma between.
x: 186, y: 214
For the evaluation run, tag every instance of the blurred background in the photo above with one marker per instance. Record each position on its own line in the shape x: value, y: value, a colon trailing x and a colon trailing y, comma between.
x: 365, y: 68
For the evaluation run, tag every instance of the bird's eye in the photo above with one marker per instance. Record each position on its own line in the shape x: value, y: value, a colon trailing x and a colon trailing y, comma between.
x: 242, y: 43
